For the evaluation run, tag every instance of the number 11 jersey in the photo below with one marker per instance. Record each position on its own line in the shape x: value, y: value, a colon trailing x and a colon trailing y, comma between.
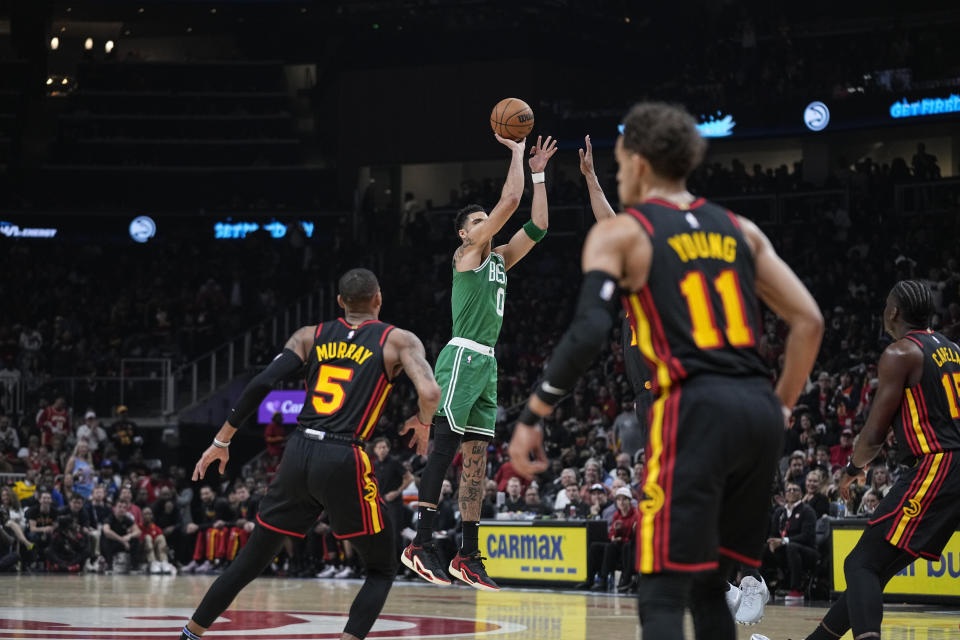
x: 698, y: 312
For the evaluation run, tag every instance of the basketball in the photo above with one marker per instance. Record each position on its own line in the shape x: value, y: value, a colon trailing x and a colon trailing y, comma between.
x: 512, y: 118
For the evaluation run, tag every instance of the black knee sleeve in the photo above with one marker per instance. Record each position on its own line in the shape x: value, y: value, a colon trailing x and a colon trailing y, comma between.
x: 260, y: 549
x: 708, y: 604
x: 445, y: 446
x: 380, y: 559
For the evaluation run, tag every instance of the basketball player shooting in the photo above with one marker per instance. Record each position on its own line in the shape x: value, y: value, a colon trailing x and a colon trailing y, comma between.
x: 350, y: 364
x: 466, y: 368
x: 690, y: 272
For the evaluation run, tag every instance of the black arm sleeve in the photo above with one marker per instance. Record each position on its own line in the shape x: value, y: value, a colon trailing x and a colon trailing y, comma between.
x: 584, y: 338
x: 282, y: 366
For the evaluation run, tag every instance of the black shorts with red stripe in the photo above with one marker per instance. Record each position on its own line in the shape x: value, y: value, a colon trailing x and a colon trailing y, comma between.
x: 317, y: 476
x: 712, y: 452
x: 922, y: 509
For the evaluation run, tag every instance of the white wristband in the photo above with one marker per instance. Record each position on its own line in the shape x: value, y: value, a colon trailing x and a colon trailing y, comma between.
x: 220, y: 445
x: 538, y: 178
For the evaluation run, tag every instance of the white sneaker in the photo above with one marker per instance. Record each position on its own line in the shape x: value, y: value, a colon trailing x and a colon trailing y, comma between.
x: 89, y: 566
x: 346, y: 572
x: 168, y: 569
x: 190, y: 568
x: 328, y: 572
x: 155, y: 567
x: 734, y: 596
x: 759, y: 636
x: 754, y: 599
x: 205, y: 567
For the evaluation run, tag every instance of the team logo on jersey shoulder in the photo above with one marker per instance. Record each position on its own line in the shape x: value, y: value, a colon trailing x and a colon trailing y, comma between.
x: 351, y: 334
x: 692, y: 220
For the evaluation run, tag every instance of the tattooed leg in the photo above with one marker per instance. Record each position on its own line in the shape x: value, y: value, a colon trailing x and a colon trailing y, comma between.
x: 471, y: 478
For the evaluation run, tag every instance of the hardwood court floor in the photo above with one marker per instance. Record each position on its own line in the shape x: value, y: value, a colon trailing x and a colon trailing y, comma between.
x: 137, y: 607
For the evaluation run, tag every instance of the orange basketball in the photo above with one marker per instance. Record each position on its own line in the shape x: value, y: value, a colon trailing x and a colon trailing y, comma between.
x: 512, y: 118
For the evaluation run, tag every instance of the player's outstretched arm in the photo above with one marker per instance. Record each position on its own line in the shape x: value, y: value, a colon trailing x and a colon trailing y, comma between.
x: 404, y: 350
x: 534, y: 230
x: 287, y: 362
x: 598, y: 201
x: 611, y: 245
x: 780, y: 288
x: 510, y: 196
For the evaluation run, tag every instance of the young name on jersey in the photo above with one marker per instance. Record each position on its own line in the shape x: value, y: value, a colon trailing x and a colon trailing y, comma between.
x: 700, y: 244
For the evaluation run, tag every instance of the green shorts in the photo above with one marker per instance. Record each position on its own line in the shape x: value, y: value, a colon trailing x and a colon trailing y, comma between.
x: 468, y: 381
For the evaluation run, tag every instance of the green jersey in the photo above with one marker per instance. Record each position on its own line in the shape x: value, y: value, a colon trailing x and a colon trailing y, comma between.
x: 477, y: 301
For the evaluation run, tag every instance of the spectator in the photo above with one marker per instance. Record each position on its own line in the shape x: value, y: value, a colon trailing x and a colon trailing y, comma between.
x: 868, y: 503
x: 107, y: 479
x: 795, y: 470
x: 813, y: 496
x: 9, y: 440
x: 532, y: 504
x: 154, y: 545
x: 126, y: 495
x: 210, y: 518
x: 489, y: 508
x: 25, y: 488
x: 880, y: 480
x: 576, y: 508
x: 598, y: 501
x: 98, y: 514
x: 16, y: 522
x: 68, y: 547
x: 567, y: 478
x: 41, y: 518
x: 120, y: 534
x: 78, y: 474
x: 504, y: 474
x: 54, y: 420
x: 123, y: 433
x: 92, y: 431
x: 167, y: 516
x: 618, y: 551
x: 821, y: 459
x: 515, y: 501
x: 791, y: 545
x: 840, y: 453
x: 9, y: 552
x: 275, y: 435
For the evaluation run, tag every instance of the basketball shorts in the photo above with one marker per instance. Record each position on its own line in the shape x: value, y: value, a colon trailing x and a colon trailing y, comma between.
x: 712, y: 451
x: 468, y: 382
x: 922, y: 509
x: 316, y: 476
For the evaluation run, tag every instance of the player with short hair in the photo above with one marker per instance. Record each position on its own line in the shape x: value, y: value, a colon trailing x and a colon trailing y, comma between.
x: 349, y: 364
x: 691, y: 273
x: 917, y: 396
x: 467, y: 369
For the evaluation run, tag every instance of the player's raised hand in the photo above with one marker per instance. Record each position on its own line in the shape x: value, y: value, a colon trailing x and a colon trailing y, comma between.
x: 421, y: 434
x: 527, y: 441
x: 212, y: 453
x: 586, y: 158
x: 541, y: 153
x: 513, y: 145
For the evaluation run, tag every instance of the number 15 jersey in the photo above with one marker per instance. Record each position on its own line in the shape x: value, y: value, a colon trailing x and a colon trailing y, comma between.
x: 347, y: 385
x: 698, y: 312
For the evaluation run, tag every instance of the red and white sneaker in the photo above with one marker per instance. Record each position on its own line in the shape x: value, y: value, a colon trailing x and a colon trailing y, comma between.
x: 425, y: 562
x: 470, y: 569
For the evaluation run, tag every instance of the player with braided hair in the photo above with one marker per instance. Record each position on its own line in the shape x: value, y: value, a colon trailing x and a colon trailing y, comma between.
x: 917, y: 394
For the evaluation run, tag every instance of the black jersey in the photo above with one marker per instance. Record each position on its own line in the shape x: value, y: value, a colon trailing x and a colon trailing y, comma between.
x: 698, y: 312
x: 347, y: 385
x: 929, y: 417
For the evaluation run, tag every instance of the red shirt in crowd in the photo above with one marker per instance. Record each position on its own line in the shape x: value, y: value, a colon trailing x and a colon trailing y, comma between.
x: 503, y: 475
x: 52, y: 421
x: 839, y: 455
x: 152, y: 531
x: 274, y: 436
x: 628, y: 527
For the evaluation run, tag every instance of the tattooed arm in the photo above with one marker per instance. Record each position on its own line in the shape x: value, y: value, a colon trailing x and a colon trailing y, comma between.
x: 404, y: 351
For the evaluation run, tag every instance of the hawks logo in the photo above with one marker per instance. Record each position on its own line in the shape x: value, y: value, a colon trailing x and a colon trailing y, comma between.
x: 911, y: 509
x: 654, y: 498
x: 118, y: 623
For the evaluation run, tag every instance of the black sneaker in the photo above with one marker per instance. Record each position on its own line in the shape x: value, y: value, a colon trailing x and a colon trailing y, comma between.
x: 425, y: 562
x: 470, y: 569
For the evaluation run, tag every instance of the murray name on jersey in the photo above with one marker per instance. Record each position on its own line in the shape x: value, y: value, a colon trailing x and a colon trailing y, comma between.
x: 339, y: 350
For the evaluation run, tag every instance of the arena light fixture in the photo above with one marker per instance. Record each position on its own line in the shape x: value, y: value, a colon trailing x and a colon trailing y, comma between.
x: 108, y: 46
x: 54, y: 43
x: 88, y: 44
x: 49, y: 81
